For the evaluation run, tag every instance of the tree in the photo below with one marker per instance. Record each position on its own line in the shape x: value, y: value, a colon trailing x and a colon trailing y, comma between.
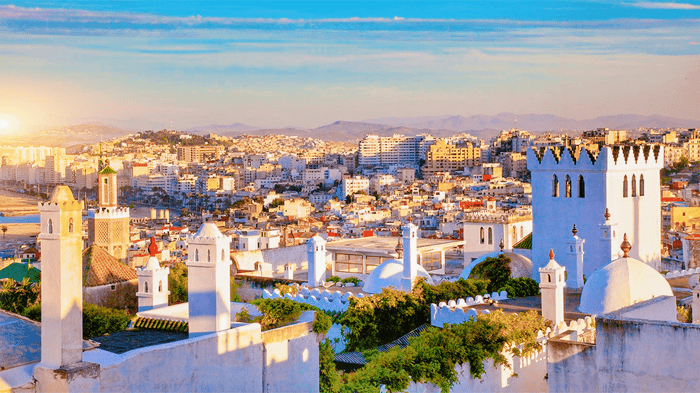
x: 4, y: 229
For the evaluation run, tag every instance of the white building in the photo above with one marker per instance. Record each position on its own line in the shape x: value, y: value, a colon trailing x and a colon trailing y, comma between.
x: 352, y: 185
x: 576, y: 188
x: 396, y: 149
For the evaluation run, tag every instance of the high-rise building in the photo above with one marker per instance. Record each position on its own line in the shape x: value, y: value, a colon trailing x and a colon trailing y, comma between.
x: 396, y: 149
x: 444, y: 157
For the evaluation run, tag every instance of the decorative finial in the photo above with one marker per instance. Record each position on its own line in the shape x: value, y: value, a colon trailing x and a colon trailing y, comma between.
x: 607, y: 214
x: 626, y: 247
x: 399, y: 248
x: 153, y: 248
x: 410, y: 219
x: 574, y: 230
x: 502, y: 245
x: 551, y: 254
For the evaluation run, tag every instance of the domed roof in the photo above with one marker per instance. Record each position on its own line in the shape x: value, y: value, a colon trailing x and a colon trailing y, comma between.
x: 622, y: 283
x: 62, y: 194
x: 208, y: 229
x: 520, y: 266
x: 152, y: 264
x: 389, y: 274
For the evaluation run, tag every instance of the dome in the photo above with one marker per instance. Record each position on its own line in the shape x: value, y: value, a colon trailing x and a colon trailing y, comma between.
x: 208, y: 229
x: 622, y: 283
x: 389, y: 274
x: 152, y: 264
x: 520, y: 266
x: 61, y: 194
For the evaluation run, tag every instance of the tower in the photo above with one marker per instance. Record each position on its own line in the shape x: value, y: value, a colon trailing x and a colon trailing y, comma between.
x: 696, y: 304
x: 153, y: 282
x: 62, y: 283
x: 575, y: 260
x: 209, y: 280
x: 608, y: 237
x: 108, y: 224
x: 572, y: 186
x: 410, y: 256
x: 316, y: 253
x: 552, y: 285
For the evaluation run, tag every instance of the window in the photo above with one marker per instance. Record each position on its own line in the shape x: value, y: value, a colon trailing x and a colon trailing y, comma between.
x: 431, y: 261
x: 641, y: 185
x: 196, y: 255
x: 51, y: 226
x: 481, y: 235
x: 581, y: 187
x: 348, y: 263
x: 568, y: 186
x: 371, y: 263
x: 70, y: 225
x: 555, y: 186
x: 160, y: 286
x: 634, y: 185
x: 624, y: 187
x: 223, y: 255
x: 490, y: 236
x: 105, y: 180
x: 145, y: 287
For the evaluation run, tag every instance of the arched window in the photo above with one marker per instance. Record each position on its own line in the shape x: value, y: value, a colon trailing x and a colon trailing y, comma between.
x: 196, y: 255
x: 208, y: 255
x: 490, y: 236
x: 50, y: 226
x: 515, y: 235
x: 145, y: 287
x: 223, y: 255
x: 555, y: 186
x: 624, y: 187
x: 160, y: 286
x: 641, y: 185
x: 70, y: 225
x: 521, y: 231
x: 481, y: 235
x: 581, y: 187
x: 568, y: 186
x: 634, y: 185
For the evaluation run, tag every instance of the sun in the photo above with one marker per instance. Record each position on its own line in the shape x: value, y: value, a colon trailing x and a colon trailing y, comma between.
x: 4, y: 124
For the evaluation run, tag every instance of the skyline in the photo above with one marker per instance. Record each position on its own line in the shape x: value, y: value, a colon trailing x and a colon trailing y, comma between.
x: 306, y: 64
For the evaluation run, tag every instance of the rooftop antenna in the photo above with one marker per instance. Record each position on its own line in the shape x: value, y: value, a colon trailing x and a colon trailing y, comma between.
x: 171, y: 126
x: 516, y: 122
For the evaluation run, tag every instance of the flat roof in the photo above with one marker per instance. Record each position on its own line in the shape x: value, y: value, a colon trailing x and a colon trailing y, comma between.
x: 385, y: 245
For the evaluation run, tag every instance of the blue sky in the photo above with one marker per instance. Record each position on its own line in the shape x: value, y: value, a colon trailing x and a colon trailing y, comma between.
x: 143, y: 64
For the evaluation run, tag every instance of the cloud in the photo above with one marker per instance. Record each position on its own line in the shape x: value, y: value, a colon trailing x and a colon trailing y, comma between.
x: 664, y: 5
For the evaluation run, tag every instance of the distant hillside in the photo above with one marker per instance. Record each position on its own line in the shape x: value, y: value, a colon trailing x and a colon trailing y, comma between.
x: 535, y: 122
x: 67, y: 136
x: 221, y: 129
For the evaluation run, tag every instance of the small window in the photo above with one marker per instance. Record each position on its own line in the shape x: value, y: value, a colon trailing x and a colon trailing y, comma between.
x: 624, y: 187
x: 568, y: 186
x: 634, y: 185
x: 581, y: 187
x: 105, y: 180
x: 196, y: 255
x: 223, y: 255
x: 555, y: 186
x: 208, y: 255
x: 145, y: 287
x: 50, y: 226
x: 490, y: 236
x: 70, y: 225
x: 481, y: 235
x: 160, y: 286
x: 641, y: 185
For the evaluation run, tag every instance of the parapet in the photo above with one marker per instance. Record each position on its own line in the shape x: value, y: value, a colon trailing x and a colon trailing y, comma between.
x: 109, y: 213
x: 61, y: 199
x: 565, y: 157
x: 324, y: 300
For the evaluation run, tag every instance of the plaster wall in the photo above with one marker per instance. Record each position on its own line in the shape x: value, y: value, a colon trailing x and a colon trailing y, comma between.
x: 118, y: 295
x: 473, y: 248
x: 290, y: 364
x: 553, y: 217
x: 569, y: 366
x: 277, y: 257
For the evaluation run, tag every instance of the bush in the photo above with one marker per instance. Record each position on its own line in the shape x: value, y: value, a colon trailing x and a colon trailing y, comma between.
x: 521, y: 287
x: 445, y: 291
x: 281, y: 312
x: 177, y: 284
x: 329, y: 380
x: 17, y: 296
x: 353, y: 280
x: 100, y: 320
x: 333, y: 279
x: 33, y: 312
x: 496, y: 270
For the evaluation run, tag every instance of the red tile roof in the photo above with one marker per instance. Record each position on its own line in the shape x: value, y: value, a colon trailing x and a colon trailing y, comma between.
x: 101, y: 268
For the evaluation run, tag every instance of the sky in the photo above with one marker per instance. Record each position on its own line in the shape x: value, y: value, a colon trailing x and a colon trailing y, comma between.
x: 145, y: 64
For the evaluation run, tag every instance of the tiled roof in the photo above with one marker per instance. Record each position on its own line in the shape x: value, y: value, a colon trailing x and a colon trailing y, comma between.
x: 101, y: 268
x: 107, y: 170
x: 18, y: 271
x: 525, y: 243
x: 358, y: 359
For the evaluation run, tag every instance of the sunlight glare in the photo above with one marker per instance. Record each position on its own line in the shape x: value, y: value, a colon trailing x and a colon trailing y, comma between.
x: 4, y: 124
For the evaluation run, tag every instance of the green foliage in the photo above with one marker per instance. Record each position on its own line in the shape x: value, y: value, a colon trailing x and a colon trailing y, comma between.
x: 379, y: 319
x: 16, y: 296
x: 432, y: 356
x: 333, y: 279
x: 353, y: 280
x: 521, y: 287
x: 329, y: 380
x: 684, y: 315
x: 244, y: 316
x: 100, y: 320
x: 234, y: 291
x: 445, y: 291
x: 33, y: 312
x: 177, y: 284
x: 281, y: 312
x: 496, y: 270
x: 285, y: 289
x: 276, y: 203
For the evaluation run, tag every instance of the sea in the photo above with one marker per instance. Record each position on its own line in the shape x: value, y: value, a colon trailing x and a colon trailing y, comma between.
x: 28, y: 219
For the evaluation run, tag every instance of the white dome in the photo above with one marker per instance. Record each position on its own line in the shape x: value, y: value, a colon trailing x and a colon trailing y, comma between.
x: 520, y: 266
x: 622, y: 283
x: 389, y: 274
x: 208, y: 229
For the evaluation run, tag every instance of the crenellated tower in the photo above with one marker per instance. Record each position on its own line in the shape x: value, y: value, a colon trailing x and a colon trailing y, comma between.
x: 575, y: 186
x: 108, y: 224
x: 153, y: 282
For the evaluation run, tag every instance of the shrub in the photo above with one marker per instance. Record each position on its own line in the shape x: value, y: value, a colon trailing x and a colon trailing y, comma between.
x: 33, y: 312
x: 329, y: 380
x: 281, y: 312
x: 17, y: 296
x: 333, y: 279
x: 353, y: 280
x: 496, y: 270
x: 177, y: 284
x: 461, y: 289
x: 285, y: 289
x: 100, y: 320
x: 521, y: 287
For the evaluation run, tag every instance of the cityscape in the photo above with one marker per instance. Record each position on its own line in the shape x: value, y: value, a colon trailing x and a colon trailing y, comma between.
x: 349, y: 196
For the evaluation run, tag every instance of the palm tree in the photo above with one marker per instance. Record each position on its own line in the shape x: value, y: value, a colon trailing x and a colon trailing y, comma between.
x: 3, y: 229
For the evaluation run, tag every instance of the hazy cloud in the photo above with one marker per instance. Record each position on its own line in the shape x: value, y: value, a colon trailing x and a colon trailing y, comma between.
x: 664, y: 5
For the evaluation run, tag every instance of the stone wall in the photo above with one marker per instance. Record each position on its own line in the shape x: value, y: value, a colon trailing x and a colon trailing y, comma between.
x: 119, y: 295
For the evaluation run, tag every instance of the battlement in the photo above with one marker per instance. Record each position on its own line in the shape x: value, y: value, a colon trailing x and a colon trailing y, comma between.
x: 608, y: 157
x: 60, y: 206
x: 109, y: 213
x: 496, y: 218
x: 152, y: 272
x: 194, y: 239
x: 324, y: 300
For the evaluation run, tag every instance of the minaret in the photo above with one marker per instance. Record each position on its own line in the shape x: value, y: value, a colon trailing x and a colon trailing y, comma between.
x: 552, y: 285
x: 108, y: 224
x: 608, y: 234
x: 209, y: 280
x: 575, y: 258
x: 410, y: 256
x: 107, y: 187
x: 153, y: 282
x: 316, y: 254
x: 62, y: 279
x: 696, y: 304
